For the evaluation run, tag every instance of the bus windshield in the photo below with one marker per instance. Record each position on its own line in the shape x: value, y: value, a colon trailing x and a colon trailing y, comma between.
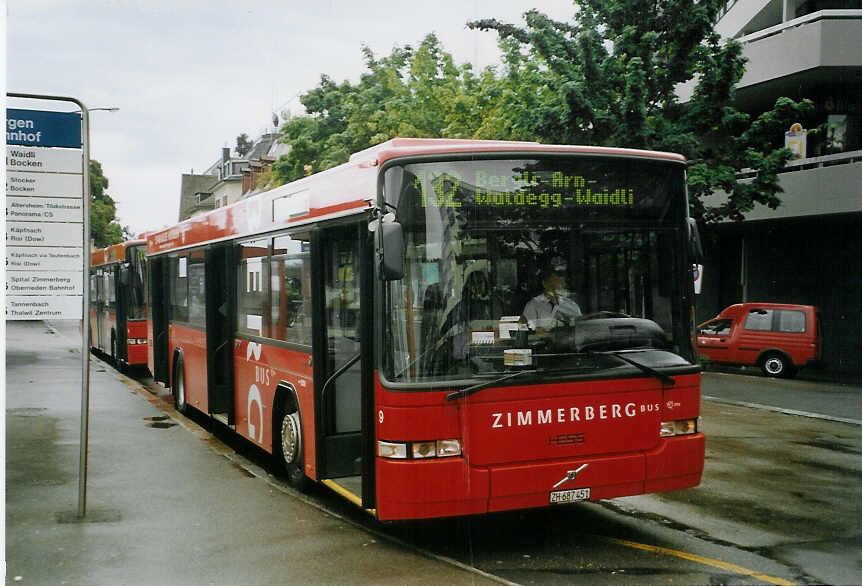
x: 551, y: 263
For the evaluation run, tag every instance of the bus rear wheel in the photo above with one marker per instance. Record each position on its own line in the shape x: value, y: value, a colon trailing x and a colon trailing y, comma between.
x: 288, y: 447
x: 179, y: 388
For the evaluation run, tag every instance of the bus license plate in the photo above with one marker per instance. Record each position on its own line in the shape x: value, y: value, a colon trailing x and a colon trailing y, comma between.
x: 569, y: 496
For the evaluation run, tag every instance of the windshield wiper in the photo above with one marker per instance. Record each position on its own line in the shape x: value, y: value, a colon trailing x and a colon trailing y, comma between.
x: 484, y: 385
x: 665, y: 379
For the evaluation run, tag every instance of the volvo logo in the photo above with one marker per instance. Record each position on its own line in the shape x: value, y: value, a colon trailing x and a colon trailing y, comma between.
x: 570, y: 475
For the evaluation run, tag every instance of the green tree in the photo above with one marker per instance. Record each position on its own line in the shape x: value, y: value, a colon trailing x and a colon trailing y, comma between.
x: 415, y: 92
x: 611, y: 77
x: 104, y: 228
x: 243, y: 144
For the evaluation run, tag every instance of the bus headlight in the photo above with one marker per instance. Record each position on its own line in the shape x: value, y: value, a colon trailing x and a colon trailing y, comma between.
x: 450, y: 447
x: 678, y: 427
x: 419, y: 450
x: 391, y: 450
x: 424, y: 449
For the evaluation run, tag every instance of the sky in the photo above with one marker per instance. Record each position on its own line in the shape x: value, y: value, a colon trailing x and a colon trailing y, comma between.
x: 189, y: 77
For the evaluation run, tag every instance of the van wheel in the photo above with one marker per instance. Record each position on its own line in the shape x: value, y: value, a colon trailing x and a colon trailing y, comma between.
x: 777, y: 365
x: 288, y: 446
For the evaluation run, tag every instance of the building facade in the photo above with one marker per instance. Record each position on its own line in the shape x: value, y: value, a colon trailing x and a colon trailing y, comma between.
x: 809, y: 250
x: 230, y: 178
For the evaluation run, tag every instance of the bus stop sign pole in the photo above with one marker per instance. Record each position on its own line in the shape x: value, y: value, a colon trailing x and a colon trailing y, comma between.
x: 85, y: 297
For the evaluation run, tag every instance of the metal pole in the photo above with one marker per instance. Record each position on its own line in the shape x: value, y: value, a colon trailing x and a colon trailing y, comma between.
x: 85, y: 321
x: 85, y: 298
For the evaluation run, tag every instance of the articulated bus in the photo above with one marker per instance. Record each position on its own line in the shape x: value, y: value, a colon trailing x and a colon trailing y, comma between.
x: 378, y: 327
x: 118, y: 326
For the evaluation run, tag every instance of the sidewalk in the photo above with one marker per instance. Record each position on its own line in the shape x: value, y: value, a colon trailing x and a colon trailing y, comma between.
x: 163, y: 507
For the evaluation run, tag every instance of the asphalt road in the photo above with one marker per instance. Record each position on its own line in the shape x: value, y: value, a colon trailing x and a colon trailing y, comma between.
x: 829, y: 400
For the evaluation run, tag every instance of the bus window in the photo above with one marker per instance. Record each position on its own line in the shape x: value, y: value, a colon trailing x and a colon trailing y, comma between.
x: 100, y: 286
x: 197, y: 290
x: 290, y: 310
x: 137, y: 270
x: 179, y: 289
x: 109, y: 296
x: 251, y: 295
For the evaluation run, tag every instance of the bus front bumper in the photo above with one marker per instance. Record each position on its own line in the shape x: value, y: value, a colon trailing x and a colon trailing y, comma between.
x: 450, y: 487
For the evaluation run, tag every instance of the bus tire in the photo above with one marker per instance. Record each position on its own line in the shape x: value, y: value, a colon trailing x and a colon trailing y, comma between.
x: 288, y: 448
x: 179, y: 386
x: 777, y: 365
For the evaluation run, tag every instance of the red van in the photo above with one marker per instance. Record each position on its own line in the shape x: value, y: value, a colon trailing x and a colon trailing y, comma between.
x: 779, y: 338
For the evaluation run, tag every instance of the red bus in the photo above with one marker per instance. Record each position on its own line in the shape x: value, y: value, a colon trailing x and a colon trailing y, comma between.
x: 118, y: 313
x: 378, y: 327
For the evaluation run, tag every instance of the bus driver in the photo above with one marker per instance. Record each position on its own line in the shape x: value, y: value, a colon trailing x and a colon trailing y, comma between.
x: 552, y: 305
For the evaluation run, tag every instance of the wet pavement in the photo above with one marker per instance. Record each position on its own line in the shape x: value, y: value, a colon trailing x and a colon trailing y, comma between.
x: 162, y: 506
x: 169, y: 503
x: 783, y: 486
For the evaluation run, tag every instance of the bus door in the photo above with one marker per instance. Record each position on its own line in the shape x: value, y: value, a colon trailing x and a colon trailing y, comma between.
x: 342, y: 356
x: 123, y: 279
x: 100, y: 310
x: 159, y: 307
x: 219, y: 324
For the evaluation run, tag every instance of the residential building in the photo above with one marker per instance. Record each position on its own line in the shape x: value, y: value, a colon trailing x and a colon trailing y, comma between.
x: 263, y: 154
x: 809, y: 249
x: 229, y: 178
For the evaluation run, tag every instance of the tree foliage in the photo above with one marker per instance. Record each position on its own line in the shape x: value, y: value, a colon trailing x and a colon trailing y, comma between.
x: 609, y: 77
x: 243, y: 144
x: 417, y: 92
x: 614, y: 72
x: 104, y: 228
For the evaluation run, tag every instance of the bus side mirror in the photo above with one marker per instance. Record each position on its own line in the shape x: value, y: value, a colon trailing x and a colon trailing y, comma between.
x: 124, y: 275
x: 694, y: 243
x: 390, y: 251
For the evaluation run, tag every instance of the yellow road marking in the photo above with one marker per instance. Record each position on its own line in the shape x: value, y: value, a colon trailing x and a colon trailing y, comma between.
x: 699, y: 559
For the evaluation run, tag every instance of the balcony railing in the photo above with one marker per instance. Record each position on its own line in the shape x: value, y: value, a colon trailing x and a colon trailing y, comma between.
x: 845, y: 158
x: 801, y: 21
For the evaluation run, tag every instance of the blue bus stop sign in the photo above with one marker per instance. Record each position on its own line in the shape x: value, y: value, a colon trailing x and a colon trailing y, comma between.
x: 42, y: 128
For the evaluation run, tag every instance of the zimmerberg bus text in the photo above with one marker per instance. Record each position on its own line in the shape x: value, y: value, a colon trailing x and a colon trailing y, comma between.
x: 560, y: 415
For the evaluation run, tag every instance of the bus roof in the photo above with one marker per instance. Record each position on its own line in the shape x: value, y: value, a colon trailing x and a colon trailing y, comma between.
x: 347, y: 189
x: 408, y: 147
x: 113, y: 253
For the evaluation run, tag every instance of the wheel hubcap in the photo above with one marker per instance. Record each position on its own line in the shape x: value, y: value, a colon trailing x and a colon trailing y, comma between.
x: 290, y: 437
x: 774, y: 366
